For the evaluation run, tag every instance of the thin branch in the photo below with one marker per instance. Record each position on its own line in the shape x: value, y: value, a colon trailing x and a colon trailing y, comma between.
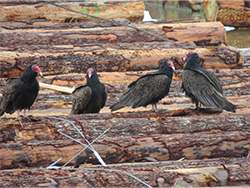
x: 85, y: 147
x: 90, y: 146
x: 52, y: 165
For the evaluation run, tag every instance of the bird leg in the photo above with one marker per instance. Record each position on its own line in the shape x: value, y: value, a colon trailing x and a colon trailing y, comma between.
x: 18, y: 113
x: 154, y: 107
x: 19, y: 118
x: 198, y: 106
x: 24, y: 113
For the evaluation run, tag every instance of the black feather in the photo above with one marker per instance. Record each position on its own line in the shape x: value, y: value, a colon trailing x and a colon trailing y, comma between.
x: 90, y: 97
x: 203, y: 86
x: 20, y: 92
x: 148, y: 89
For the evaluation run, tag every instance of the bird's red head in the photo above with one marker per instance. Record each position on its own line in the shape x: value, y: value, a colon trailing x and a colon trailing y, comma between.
x: 90, y: 72
x: 170, y: 64
x: 36, y: 69
x: 187, y: 56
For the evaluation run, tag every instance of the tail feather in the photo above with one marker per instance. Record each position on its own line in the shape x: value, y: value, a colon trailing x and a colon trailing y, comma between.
x: 116, y: 106
x: 75, y: 109
x: 229, y: 107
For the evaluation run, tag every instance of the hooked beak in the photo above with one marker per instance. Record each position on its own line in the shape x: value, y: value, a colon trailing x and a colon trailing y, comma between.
x: 185, y: 58
x: 172, y: 65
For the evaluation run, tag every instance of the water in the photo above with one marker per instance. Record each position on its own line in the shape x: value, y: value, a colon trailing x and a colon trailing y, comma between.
x: 238, y: 37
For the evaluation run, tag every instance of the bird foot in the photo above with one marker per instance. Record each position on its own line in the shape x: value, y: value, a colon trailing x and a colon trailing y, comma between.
x: 21, y: 118
x: 208, y: 110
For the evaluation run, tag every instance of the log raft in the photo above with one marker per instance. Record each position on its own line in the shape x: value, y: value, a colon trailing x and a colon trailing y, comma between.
x: 63, y: 49
x: 212, y: 146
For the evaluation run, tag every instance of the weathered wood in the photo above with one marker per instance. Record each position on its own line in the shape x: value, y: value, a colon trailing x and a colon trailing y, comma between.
x: 234, y: 17
x: 57, y: 88
x: 133, y: 136
x: 210, y: 9
x: 231, y: 4
x: 234, y: 13
x: 210, y: 33
x: 221, y: 172
x: 109, y: 10
x: 130, y: 58
x: 140, y: 136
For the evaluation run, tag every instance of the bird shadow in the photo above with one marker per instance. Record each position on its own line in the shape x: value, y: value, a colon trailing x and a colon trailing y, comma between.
x: 192, y: 111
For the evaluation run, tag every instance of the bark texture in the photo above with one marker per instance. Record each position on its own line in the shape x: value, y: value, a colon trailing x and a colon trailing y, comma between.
x: 221, y: 172
x: 13, y: 11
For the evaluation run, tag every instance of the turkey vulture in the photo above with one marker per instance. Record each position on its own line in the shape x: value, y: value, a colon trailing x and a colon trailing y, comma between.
x: 203, y: 86
x: 20, y: 92
x: 148, y: 89
x: 90, y: 97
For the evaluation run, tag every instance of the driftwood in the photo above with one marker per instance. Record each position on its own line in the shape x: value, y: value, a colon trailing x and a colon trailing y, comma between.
x: 206, y: 173
x: 132, y: 10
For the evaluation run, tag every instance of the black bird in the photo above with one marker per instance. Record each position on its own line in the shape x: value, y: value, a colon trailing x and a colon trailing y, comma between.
x: 90, y: 97
x: 203, y: 86
x: 148, y: 89
x: 20, y: 92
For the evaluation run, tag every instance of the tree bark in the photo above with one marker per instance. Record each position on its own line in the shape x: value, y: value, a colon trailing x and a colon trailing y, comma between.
x: 17, y: 36
x: 221, y: 172
x: 133, y: 137
x: 234, y: 17
x: 132, y: 10
x: 114, y: 59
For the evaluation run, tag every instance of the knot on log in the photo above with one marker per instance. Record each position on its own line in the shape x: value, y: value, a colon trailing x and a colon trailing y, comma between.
x: 230, y: 56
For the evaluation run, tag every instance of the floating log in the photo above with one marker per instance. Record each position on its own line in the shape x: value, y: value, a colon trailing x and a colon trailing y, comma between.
x: 132, y: 10
x: 222, y: 172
